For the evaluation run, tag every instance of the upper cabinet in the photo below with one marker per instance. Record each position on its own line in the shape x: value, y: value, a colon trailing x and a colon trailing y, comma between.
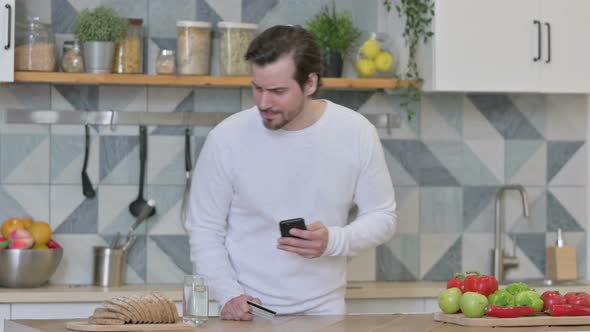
x: 508, y: 46
x: 6, y: 40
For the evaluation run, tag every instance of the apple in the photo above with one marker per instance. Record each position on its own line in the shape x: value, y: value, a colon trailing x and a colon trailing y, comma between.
x: 448, y: 300
x: 20, y: 239
x: 473, y: 305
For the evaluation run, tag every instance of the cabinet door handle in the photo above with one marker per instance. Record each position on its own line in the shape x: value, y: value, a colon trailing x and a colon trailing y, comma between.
x: 538, y: 57
x: 7, y: 46
x: 548, y: 42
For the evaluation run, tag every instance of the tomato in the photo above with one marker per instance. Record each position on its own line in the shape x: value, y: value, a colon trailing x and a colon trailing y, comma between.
x: 448, y: 300
x: 482, y: 284
x: 473, y: 305
x: 578, y: 298
x: 550, y: 298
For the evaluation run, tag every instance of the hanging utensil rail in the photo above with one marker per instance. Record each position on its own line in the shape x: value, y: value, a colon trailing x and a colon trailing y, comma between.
x: 128, y: 118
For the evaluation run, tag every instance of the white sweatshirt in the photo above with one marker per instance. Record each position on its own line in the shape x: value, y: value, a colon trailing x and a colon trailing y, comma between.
x: 248, y: 178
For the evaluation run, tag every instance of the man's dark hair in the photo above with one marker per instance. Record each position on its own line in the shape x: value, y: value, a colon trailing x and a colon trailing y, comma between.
x: 281, y: 40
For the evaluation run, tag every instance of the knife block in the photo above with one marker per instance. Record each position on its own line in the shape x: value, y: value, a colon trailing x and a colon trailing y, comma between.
x: 562, y: 263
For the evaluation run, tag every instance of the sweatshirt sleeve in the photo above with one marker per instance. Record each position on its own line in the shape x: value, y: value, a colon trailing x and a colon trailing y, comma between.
x: 375, y: 199
x: 210, y: 199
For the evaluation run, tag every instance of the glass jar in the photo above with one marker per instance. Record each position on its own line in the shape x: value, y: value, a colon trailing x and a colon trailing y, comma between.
x: 194, y: 47
x: 374, y: 58
x: 166, y: 63
x: 129, y: 51
x: 233, y: 45
x: 71, y: 60
x: 35, y: 47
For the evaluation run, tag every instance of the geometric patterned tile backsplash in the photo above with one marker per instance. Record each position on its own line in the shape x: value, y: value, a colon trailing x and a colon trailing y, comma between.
x: 446, y: 165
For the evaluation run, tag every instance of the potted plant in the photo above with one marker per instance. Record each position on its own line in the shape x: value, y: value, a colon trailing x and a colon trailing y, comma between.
x: 98, y: 30
x: 418, y: 15
x: 336, y: 35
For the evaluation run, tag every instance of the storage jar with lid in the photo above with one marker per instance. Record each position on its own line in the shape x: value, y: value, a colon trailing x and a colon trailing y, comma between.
x: 234, y: 40
x: 129, y: 51
x: 166, y: 63
x: 72, y: 60
x: 35, y: 47
x: 194, y: 47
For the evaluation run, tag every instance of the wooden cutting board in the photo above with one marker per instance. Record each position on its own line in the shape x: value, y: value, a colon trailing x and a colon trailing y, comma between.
x: 540, y: 320
x: 84, y: 326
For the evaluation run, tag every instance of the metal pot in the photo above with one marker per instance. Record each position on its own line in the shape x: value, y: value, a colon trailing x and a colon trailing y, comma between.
x: 98, y: 57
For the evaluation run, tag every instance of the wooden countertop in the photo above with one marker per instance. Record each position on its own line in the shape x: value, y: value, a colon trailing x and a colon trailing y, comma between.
x: 354, y: 291
x: 364, y: 323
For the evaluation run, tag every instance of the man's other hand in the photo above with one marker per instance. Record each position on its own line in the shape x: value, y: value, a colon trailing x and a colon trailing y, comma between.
x: 238, y: 309
x: 312, y: 244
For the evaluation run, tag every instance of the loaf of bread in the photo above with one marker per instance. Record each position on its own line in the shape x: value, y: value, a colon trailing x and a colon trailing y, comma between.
x: 150, y: 308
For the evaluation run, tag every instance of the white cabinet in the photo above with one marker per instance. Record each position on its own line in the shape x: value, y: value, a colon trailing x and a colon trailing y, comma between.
x: 508, y: 46
x: 6, y: 40
x: 569, y: 67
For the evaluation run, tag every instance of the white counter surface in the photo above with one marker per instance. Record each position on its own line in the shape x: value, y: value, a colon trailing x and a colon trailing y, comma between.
x: 355, y: 290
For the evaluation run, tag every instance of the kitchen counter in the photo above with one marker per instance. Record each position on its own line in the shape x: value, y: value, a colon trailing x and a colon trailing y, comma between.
x: 355, y: 291
x: 365, y: 323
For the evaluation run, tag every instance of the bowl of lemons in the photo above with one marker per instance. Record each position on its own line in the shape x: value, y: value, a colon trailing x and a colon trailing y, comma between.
x: 374, y: 58
x: 28, y: 254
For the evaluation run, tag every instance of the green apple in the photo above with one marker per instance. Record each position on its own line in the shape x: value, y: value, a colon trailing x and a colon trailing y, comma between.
x: 473, y: 304
x: 448, y: 300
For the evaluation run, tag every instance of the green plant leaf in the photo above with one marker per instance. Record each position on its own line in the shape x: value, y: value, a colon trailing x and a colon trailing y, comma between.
x: 418, y: 16
x: 334, y: 31
x: 100, y: 24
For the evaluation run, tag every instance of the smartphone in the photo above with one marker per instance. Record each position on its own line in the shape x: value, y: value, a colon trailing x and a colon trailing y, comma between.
x: 261, y: 311
x: 286, y: 225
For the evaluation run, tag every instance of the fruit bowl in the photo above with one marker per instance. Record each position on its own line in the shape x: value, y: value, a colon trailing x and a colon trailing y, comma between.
x: 27, y: 268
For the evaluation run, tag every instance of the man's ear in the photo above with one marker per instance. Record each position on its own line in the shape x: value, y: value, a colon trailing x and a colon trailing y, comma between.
x: 311, y: 85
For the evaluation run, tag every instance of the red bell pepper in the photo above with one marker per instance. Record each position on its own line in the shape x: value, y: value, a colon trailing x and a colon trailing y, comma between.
x: 509, y: 312
x: 569, y: 310
x: 579, y: 298
x: 550, y: 298
x: 482, y: 284
x: 457, y: 282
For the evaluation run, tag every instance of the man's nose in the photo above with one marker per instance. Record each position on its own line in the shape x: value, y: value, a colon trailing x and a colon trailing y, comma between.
x: 265, y: 101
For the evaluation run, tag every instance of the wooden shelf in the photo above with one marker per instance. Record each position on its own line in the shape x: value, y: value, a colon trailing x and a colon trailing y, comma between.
x: 178, y: 80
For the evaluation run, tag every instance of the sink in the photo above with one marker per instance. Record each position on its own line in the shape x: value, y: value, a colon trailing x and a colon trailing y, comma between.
x: 548, y: 282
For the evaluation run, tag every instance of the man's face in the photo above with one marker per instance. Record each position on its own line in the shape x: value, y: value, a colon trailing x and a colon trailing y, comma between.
x: 278, y: 96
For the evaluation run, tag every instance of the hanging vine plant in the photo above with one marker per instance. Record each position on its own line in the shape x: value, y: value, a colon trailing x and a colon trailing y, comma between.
x: 418, y: 16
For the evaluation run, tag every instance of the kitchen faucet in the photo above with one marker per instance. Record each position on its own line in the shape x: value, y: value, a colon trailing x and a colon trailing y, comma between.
x: 500, y: 260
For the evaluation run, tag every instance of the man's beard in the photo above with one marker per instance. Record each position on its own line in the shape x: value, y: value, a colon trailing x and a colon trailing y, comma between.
x: 268, y: 123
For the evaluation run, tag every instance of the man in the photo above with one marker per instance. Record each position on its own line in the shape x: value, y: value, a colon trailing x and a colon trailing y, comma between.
x: 305, y: 158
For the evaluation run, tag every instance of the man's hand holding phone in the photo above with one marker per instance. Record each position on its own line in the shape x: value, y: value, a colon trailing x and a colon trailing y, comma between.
x: 238, y: 308
x: 310, y: 242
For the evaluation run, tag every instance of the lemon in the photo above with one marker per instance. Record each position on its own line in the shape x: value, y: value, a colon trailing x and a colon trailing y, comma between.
x: 40, y: 246
x: 370, y: 48
x: 384, y: 61
x: 365, y: 67
x: 41, y: 232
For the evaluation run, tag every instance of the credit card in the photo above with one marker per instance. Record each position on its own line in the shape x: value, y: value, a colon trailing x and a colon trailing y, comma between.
x: 261, y: 311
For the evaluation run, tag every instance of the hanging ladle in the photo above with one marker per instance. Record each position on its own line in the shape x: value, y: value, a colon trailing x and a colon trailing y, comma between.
x: 87, y: 189
x: 140, y: 203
